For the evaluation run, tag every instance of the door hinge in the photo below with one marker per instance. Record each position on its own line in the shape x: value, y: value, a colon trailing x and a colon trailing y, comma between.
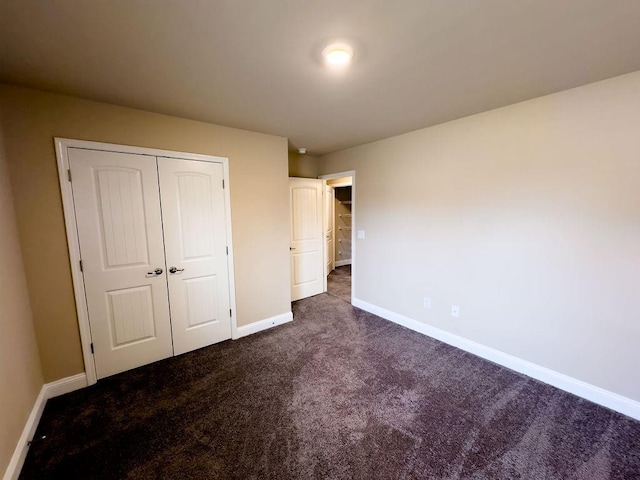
x: 223, y: 183
x: 227, y: 250
x: 81, y: 269
x: 69, y: 174
x: 230, y: 313
x: 91, y: 347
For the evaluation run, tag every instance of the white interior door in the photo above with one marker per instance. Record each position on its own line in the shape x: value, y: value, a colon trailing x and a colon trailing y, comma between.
x: 329, y: 211
x: 119, y: 225
x: 193, y: 212
x: 307, y: 238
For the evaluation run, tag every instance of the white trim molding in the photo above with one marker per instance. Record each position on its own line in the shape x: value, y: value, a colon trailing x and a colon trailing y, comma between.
x: 20, y: 453
x: 606, y: 398
x: 48, y: 390
x: 261, y: 325
x: 65, y: 385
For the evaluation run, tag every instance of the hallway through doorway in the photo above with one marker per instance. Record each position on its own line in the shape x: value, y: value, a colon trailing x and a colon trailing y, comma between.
x: 339, y: 283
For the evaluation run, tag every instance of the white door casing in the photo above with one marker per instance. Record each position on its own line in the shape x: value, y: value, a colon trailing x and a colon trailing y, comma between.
x: 307, y: 237
x: 193, y: 213
x: 120, y: 233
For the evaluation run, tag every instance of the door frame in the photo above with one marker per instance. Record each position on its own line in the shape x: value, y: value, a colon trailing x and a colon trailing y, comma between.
x: 333, y: 227
x: 352, y: 174
x: 73, y: 242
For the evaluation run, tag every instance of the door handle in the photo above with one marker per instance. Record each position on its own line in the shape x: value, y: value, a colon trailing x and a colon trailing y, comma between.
x: 175, y: 270
x: 291, y: 248
x: 157, y: 271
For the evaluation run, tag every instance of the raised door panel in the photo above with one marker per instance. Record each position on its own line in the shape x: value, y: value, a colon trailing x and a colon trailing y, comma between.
x: 195, y: 215
x: 302, y: 274
x: 121, y: 216
x: 305, y: 212
x: 120, y: 233
x: 195, y: 240
x: 202, y: 301
x: 131, y: 315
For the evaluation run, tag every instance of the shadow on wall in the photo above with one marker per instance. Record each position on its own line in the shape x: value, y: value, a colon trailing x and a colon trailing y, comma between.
x: 304, y: 166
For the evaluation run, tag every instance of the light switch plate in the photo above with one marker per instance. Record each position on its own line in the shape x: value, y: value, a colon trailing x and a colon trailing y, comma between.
x: 360, y: 234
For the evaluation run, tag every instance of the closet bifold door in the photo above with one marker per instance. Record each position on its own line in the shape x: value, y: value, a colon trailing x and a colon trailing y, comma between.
x: 193, y: 211
x: 119, y: 223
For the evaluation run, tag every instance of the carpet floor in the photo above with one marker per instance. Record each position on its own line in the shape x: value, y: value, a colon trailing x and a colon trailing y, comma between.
x: 336, y: 394
x: 339, y: 282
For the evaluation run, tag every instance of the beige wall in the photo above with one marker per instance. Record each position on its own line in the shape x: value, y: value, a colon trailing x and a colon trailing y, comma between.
x: 304, y: 166
x: 20, y: 374
x: 259, y: 204
x: 527, y: 217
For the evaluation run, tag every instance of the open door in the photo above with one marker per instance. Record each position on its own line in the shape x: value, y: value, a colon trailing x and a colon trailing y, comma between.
x: 307, y: 237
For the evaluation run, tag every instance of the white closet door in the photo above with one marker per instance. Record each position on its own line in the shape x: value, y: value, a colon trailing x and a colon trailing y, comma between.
x: 120, y: 232
x: 307, y: 238
x: 193, y: 212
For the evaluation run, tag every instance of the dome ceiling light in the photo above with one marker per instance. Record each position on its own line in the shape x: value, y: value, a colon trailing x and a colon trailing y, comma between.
x: 338, y: 55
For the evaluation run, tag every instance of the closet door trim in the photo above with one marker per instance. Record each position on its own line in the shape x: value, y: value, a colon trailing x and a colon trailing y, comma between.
x: 61, y: 146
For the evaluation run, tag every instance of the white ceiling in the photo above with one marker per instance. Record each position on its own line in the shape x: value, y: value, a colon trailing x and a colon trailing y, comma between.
x: 254, y: 64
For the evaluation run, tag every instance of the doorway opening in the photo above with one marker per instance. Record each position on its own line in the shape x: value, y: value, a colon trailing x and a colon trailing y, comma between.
x: 340, y: 234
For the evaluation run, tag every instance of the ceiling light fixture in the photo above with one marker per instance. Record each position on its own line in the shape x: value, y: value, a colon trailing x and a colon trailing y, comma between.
x: 338, y: 54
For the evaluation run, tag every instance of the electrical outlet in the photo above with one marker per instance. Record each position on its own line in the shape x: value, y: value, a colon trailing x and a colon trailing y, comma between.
x: 361, y: 234
x: 427, y: 302
x: 455, y: 311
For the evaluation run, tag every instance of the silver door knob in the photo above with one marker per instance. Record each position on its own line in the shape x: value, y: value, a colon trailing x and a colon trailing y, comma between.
x: 157, y: 271
x: 175, y: 270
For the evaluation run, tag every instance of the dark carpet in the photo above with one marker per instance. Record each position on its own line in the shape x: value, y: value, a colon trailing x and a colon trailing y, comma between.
x: 339, y: 282
x: 337, y: 394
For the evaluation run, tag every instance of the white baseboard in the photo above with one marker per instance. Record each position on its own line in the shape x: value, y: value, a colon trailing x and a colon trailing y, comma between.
x: 20, y: 453
x: 260, y: 325
x: 342, y: 263
x: 65, y: 385
x: 48, y: 390
x: 595, y: 394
